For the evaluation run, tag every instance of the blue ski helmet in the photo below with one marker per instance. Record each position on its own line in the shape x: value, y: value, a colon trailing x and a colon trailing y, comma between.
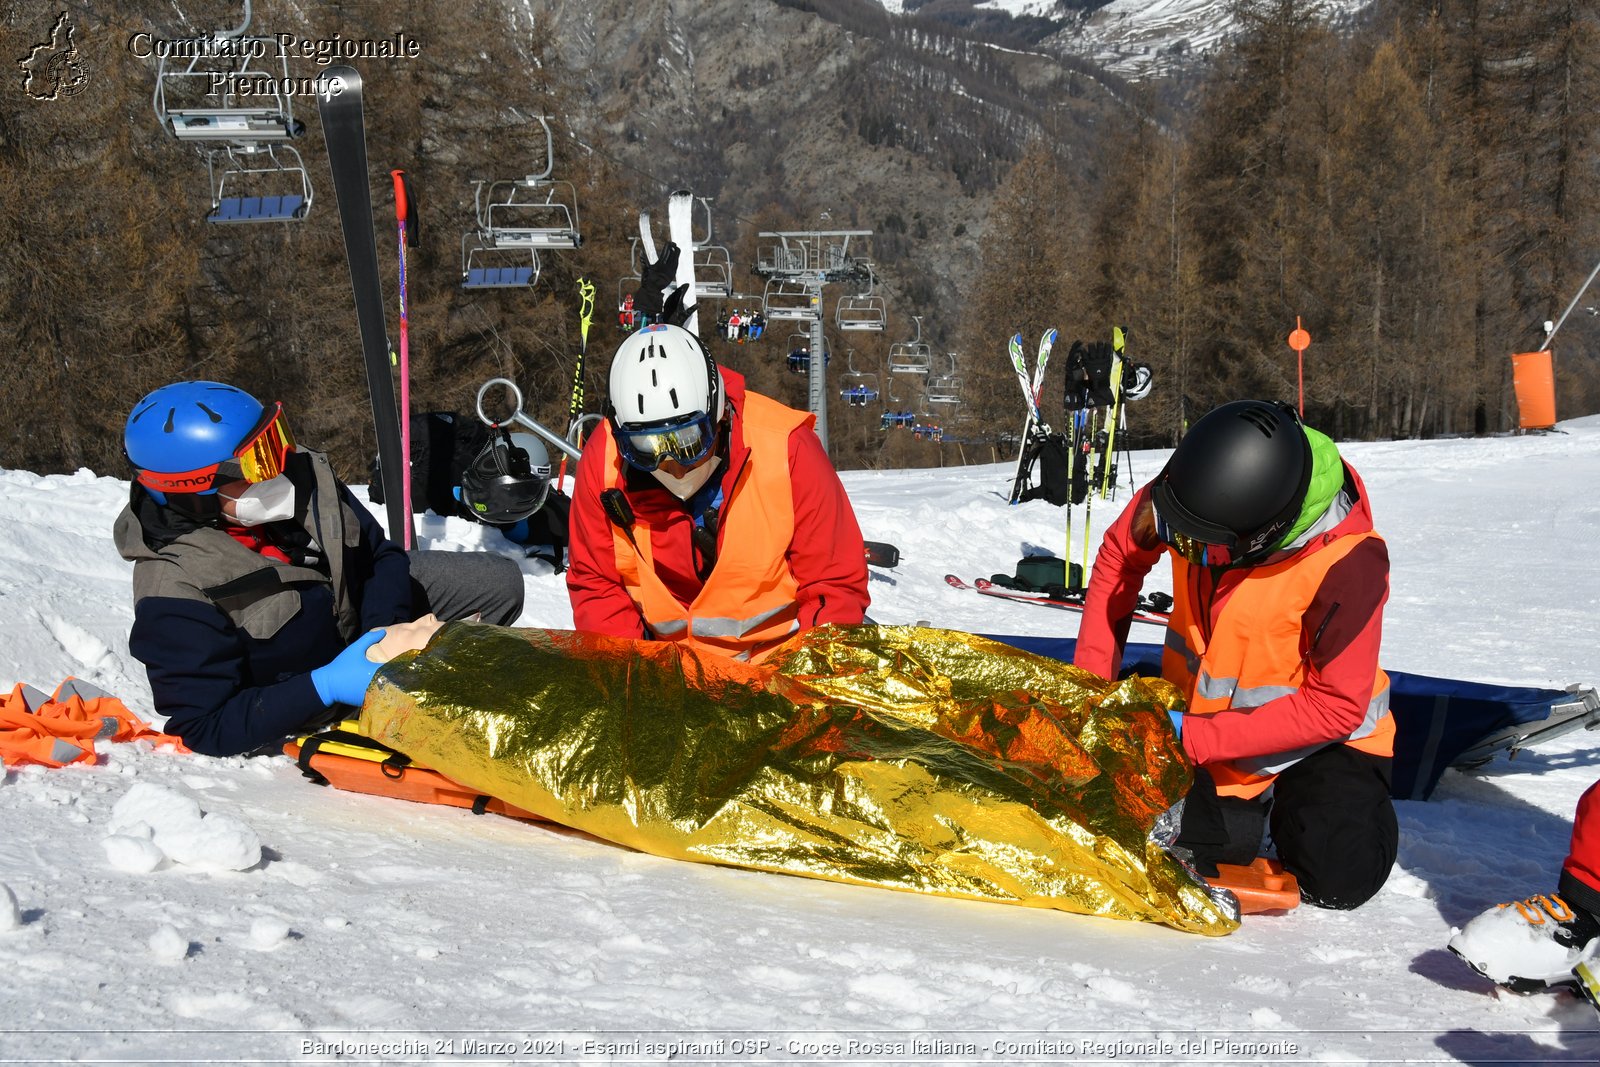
x: 188, y: 426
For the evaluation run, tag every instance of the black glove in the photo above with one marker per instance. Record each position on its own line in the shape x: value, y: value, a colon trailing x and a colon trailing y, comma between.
x: 654, y: 280
x: 673, y: 311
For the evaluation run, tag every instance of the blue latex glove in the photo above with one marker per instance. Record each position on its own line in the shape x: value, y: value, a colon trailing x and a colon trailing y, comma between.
x: 344, y: 680
x: 1177, y: 722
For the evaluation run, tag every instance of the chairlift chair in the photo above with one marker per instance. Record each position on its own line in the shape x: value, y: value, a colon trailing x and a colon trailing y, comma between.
x: 234, y: 103
x: 533, y: 212
x: 628, y: 316
x: 713, y: 273
x: 800, y: 353
x: 944, y: 388
x: 713, y: 266
x: 257, y: 183
x: 791, y: 301
x: 913, y: 356
x: 859, y: 313
x: 199, y: 98
x: 859, y: 388
x: 485, y: 265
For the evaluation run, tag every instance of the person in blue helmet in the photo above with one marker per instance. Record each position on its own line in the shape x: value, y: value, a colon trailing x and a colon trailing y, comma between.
x: 259, y: 581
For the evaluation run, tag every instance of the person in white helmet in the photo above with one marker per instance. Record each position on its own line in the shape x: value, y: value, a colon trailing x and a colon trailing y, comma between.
x: 707, y: 514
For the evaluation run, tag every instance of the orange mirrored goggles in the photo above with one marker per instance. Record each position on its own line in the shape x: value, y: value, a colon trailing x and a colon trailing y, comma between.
x: 259, y: 459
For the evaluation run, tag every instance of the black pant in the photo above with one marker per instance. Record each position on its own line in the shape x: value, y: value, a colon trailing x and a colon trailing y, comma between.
x: 458, y: 585
x: 1332, y: 820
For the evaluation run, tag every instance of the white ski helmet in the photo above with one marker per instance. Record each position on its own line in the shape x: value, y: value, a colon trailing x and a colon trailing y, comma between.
x: 663, y: 374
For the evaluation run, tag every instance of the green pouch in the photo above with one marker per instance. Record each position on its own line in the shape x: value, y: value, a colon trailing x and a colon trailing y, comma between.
x: 1042, y: 572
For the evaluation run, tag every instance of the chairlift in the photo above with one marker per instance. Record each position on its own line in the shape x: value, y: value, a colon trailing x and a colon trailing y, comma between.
x: 890, y: 419
x: 799, y: 358
x: 229, y: 90
x: 234, y: 100
x: 628, y: 317
x: 944, y: 388
x: 515, y: 219
x: 258, y: 183
x: 859, y: 388
x: 789, y: 301
x: 859, y: 313
x: 484, y: 265
x: 713, y: 273
x: 739, y: 324
x: 713, y: 266
x: 913, y: 356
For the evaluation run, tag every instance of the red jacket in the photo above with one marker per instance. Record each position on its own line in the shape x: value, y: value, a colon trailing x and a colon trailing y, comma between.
x: 826, y: 555
x: 1342, y: 662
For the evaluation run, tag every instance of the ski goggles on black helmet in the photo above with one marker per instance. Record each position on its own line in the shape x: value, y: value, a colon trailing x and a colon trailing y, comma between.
x: 685, y: 441
x: 1206, y: 544
x: 260, y: 457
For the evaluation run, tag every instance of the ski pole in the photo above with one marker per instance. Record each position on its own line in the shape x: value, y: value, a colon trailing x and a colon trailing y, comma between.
x: 1118, y: 345
x: 1088, y: 498
x: 585, y: 318
x: 404, y: 206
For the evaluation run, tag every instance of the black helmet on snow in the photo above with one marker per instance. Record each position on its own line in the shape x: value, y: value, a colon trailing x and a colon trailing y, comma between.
x: 1236, y: 481
x: 508, y: 480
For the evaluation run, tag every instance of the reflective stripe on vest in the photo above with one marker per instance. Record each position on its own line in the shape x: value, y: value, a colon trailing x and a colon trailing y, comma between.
x: 749, y: 603
x: 1249, y: 661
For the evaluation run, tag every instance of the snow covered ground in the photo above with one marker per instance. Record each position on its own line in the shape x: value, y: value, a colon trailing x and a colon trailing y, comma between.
x: 372, y: 930
x: 1138, y: 38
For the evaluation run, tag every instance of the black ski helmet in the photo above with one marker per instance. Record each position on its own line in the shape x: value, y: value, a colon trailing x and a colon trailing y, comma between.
x: 508, y: 480
x: 1237, y: 479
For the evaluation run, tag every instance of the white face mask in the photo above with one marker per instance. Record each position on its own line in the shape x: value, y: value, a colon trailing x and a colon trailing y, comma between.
x: 263, y: 502
x: 692, y: 481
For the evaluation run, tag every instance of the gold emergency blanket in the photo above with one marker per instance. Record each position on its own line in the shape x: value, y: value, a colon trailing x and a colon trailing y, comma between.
x: 896, y: 756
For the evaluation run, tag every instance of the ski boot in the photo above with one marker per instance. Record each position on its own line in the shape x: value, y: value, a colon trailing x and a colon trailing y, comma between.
x: 1164, y: 834
x: 1530, y: 945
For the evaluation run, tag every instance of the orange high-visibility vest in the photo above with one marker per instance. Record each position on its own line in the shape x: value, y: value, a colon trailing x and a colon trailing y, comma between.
x: 63, y: 727
x: 749, y: 603
x: 1255, y: 655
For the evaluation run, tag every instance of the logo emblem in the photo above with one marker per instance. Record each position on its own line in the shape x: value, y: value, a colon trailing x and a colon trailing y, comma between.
x: 54, y: 68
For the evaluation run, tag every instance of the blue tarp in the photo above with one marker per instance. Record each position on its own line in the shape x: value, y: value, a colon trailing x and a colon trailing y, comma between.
x: 1436, y: 719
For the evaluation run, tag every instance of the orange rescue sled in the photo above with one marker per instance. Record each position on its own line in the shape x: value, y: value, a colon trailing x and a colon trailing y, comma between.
x: 345, y: 759
x: 1262, y: 886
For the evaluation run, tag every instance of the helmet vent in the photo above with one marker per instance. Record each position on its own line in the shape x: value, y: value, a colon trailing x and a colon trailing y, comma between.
x: 166, y: 427
x: 672, y: 394
x: 1261, y: 420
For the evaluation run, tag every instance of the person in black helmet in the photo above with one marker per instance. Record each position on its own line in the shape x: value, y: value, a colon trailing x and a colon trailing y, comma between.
x: 259, y: 581
x: 1279, y: 582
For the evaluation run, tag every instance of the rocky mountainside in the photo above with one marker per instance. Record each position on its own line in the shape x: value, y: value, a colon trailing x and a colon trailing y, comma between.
x: 837, y: 115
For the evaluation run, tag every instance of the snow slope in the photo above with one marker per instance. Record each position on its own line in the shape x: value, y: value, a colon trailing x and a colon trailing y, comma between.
x: 396, y: 933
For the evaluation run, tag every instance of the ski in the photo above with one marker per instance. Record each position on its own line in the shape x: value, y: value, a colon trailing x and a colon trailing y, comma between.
x: 344, y: 132
x: 989, y: 589
x: 680, y: 230
x: 882, y: 554
x: 1046, y: 343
